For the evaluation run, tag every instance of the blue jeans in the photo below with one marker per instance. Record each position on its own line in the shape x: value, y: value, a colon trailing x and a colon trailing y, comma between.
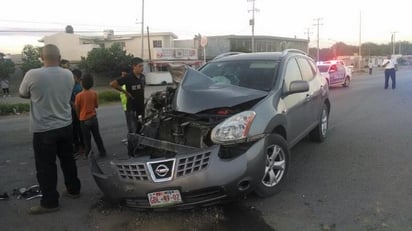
x: 89, y: 127
x: 133, y: 123
x: 392, y: 74
x: 46, y: 146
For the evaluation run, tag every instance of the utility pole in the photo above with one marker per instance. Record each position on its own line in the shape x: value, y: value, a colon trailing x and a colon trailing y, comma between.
x: 308, y: 32
x: 252, y: 23
x: 142, y: 28
x: 317, y: 24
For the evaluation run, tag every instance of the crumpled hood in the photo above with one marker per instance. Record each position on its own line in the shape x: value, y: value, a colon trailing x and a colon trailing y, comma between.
x: 197, y: 92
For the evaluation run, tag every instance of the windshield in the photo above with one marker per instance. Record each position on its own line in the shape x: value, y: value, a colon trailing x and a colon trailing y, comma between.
x: 323, y: 68
x: 259, y: 75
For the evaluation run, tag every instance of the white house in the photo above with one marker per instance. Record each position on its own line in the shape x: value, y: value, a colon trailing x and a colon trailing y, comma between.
x: 156, y: 46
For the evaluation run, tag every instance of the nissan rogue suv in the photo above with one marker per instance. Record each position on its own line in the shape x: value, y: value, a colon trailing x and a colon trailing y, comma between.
x: 223, y: 131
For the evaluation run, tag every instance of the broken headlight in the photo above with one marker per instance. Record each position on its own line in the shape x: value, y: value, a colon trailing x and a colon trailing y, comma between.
x: 235, y: 129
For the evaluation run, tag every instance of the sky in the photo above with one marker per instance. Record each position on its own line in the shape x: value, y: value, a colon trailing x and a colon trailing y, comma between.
x: 348, y: 21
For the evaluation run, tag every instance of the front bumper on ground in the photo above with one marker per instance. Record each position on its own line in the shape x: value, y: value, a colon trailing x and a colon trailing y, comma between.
x: 201, y: 176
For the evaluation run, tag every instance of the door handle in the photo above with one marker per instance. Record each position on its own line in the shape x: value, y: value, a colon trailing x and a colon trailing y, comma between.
x: 308, y: 96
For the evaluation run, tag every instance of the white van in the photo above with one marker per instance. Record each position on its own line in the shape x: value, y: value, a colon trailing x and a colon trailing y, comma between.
x: 157, y: 72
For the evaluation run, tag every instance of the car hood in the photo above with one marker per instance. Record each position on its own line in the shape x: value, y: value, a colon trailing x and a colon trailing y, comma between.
x: 197, y: 92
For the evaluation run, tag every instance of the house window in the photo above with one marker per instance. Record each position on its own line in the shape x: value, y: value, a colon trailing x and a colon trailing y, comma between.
x: 157, y: 43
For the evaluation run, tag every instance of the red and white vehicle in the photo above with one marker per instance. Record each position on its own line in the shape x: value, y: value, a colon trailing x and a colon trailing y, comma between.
x: 335, y: 72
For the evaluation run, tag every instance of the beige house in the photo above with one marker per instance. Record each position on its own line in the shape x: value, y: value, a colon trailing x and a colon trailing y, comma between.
x: 72, y: 46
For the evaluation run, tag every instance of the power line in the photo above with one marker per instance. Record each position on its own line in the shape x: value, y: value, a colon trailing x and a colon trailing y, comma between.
x: 61, y: 23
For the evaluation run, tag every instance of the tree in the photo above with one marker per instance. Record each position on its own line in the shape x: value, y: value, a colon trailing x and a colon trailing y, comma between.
x: 69, y: 29
x: 30, y: 57
x: 6, y: 68
x: 108, y: 61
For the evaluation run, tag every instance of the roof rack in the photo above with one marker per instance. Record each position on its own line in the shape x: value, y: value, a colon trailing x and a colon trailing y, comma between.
x: 293, y: 50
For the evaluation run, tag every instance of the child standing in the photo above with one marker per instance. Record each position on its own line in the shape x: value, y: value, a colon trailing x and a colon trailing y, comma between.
x: 78, y: 144
x: 5, y: 87
x: 86, y: 103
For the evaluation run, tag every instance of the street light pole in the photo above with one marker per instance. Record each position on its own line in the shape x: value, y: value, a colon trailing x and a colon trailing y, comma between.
x: 360, y: 40
x: 317, y: 24
x: 308, y: 32
x: 252, y: 23
x: 393, y: 41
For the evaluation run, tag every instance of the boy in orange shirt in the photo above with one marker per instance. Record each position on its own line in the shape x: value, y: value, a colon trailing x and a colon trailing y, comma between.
x: 86, y: 103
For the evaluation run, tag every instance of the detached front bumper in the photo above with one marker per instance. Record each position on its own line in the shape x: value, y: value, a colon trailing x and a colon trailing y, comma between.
x: 201, y: 176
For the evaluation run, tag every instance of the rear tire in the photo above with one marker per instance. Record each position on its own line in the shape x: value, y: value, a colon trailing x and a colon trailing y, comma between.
x: 320, y: 132
x: 276, y: 167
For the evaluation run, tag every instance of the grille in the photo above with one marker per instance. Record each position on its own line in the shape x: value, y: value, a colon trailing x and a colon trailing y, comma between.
x: 191, y: 164
x: 135, y: 172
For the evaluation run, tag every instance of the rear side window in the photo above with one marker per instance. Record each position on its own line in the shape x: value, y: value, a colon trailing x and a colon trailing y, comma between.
x: 308, y: 73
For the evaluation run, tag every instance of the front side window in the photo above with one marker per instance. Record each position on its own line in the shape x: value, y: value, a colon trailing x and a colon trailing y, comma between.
x: 292, y: 73
x: 307, y: 71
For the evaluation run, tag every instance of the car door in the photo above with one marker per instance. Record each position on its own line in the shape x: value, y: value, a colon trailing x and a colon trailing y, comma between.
x: 295, y: 104
x: 341, y: 73
x: 314, y: 95
x: 333, y: 74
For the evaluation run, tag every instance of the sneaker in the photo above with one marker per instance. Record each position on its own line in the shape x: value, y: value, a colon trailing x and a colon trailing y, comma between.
x: 70, y: 195
x: 37, y: 210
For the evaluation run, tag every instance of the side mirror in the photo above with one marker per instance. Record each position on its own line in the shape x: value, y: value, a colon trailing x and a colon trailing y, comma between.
x: 297, y: 86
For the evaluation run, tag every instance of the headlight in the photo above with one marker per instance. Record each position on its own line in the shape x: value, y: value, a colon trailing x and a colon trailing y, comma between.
x: 234, y: 129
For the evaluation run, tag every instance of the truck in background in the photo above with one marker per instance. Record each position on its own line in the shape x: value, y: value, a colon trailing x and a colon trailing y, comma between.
x: 156, y: 69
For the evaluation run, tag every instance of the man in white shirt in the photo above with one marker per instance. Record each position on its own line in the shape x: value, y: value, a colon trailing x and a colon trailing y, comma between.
x: 390, y: 71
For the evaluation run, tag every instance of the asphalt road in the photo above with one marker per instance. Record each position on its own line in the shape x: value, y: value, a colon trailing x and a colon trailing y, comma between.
x: 358, y: 179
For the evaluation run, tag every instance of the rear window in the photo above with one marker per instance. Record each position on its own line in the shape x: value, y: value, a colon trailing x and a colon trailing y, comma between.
x: 259, y: 75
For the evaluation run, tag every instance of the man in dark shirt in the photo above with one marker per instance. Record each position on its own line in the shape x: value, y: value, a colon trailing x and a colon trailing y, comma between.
x: 135, y: 84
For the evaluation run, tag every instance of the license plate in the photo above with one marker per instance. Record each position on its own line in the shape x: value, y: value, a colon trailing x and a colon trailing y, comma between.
x: 164, y: 198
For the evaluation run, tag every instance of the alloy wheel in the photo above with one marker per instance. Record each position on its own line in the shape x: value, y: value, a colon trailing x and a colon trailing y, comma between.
x: 275, y: 166
x: 324, y: 122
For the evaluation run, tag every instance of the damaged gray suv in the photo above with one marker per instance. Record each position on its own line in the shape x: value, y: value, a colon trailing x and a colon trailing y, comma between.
x: 223, y: 131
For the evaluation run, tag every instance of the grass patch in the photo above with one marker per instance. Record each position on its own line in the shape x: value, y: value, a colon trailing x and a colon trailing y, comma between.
x: 8, y: 109
x: 108, y: 96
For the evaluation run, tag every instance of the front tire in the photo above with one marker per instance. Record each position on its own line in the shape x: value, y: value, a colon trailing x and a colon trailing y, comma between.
x: 320, y: 132
x: 276, y: 166
x: 347, y: 82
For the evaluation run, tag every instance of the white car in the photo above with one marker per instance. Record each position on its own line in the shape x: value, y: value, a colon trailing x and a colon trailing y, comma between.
x: 335, y: 72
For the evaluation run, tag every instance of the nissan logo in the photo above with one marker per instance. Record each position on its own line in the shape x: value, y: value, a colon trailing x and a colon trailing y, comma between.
x: 161, y: 170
